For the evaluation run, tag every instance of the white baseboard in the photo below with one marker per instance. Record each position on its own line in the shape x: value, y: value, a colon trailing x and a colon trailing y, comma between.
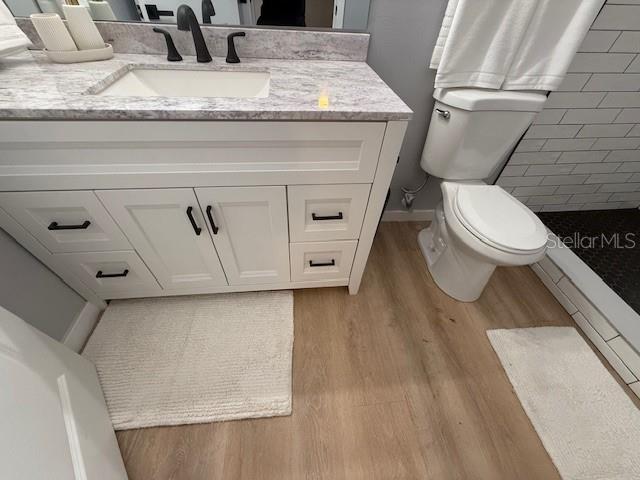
x: 82, y: 326
x: 407, y: 216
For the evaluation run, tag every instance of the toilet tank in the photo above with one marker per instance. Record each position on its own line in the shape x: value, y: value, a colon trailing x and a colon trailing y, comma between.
x: 473, y: 130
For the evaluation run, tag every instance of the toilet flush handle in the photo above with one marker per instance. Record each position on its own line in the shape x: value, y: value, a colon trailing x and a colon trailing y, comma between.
x: 446, y: 114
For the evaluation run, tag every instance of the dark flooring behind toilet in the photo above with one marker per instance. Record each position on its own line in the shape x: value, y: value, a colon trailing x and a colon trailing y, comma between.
x: 618, y: 264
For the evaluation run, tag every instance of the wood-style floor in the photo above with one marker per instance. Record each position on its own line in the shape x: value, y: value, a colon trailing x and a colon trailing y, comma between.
x: 398, y: 382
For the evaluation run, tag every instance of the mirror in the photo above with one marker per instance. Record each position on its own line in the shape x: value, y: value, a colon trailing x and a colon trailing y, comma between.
x: 337, y: 14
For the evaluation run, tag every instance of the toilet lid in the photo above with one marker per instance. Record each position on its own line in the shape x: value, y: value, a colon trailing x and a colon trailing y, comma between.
x: 500, y: 220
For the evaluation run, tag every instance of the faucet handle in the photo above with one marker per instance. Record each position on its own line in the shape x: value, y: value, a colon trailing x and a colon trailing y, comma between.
x: 232, y: 55
x: 172, y: 52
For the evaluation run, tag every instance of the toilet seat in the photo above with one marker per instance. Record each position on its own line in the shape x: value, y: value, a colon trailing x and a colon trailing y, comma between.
x: 498, y: 219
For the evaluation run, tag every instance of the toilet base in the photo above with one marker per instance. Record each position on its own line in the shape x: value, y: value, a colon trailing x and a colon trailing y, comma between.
x: 459, y: 274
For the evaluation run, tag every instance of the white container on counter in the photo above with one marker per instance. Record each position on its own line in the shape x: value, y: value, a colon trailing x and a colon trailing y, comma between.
x: 53, y: 33
x: 82, y: 28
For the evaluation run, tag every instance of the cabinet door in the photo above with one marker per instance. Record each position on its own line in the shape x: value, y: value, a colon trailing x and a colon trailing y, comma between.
x: 249, y: 228
x: 167, y: 229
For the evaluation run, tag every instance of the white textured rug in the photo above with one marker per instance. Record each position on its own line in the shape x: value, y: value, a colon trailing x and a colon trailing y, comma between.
x: 180, y: 360
x: 587, y: 423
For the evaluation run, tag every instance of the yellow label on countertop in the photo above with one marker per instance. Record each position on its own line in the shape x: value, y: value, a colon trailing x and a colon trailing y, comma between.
x: 323, y: 101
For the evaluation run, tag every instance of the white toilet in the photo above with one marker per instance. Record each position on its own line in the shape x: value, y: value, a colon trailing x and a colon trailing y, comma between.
x: 477, y: 226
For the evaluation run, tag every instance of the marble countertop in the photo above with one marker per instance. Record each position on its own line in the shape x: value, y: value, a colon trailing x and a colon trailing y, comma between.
x: 33, y: 87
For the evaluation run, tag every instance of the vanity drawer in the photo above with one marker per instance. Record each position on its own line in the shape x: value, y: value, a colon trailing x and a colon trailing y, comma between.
x: 65, y: 221
x: 111, y: 274
x: 327, y: 212
x: 322, y: 260
x: 166, y: 154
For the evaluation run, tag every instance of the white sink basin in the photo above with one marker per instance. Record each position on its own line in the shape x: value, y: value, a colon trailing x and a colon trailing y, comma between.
x: 147, y: 82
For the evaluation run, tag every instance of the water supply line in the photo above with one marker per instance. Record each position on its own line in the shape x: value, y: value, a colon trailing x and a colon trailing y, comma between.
x: 409, y: 195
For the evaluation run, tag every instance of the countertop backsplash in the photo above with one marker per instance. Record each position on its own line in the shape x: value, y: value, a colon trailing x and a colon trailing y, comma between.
x: 288, y: 44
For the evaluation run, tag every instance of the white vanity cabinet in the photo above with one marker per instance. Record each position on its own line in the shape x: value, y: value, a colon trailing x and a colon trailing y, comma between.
x: 167, y: 229
x: 123, y: 209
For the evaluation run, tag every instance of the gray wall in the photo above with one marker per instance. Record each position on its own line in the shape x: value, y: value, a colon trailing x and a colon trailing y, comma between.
x: 31, y: 291
x: 403, y: 34
x: 124, y: 9
x: 356, y: 14
x: 21, y: 8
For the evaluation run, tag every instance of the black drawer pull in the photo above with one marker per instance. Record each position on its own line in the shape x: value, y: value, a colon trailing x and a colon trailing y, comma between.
x: 111, y: 275
x: 332, y: 263
x: 214, y: 227
x: 196, y: 228
x: 318, y: 218
x: 55, y: 226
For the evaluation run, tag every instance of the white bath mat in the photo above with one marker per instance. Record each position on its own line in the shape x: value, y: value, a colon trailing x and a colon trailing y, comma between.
x: 587, y: 423
x: 180, y: 360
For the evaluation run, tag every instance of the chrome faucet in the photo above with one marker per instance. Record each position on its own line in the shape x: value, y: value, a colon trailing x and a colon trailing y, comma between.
x: 187, y: 21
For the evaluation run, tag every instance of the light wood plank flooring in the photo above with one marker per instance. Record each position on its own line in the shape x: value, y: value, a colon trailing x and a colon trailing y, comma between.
x: 398, y: 382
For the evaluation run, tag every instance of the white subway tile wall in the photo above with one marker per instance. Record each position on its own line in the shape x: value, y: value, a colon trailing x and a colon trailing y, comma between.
x: 583, y: 149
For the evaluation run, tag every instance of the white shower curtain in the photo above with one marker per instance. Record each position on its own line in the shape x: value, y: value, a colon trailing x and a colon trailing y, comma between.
x: 510, y: 44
